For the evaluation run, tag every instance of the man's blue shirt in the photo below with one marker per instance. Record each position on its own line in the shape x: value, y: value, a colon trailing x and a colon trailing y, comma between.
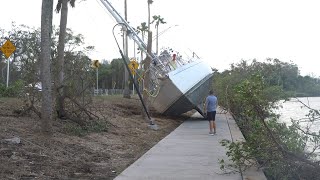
x: 211, y: 103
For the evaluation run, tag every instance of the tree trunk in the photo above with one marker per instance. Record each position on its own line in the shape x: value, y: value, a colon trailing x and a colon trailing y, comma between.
x: 141, y: 55
x: 126, y: 92
x: 157, y: 48
x: 45, y: 60
x: 148, y: 18
x: 147, y: 75
x: 60, y: 60
x: 141, y: 60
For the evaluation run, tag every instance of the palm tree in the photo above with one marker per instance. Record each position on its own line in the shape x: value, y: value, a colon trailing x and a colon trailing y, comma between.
x: 134, y: 44
x: 143, y: 28
x: 159, y: 20
x: 149, y: 3
x: 126, y: 92
x: 147, y: 63
x: 45, y: 64
x: 63, y: 6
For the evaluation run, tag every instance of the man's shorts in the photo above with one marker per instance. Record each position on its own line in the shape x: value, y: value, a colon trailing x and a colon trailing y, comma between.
x: 211, y: 116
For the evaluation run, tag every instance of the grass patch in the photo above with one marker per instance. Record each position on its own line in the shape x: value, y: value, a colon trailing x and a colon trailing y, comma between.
x: 75, y: 129
x: 97, y: 126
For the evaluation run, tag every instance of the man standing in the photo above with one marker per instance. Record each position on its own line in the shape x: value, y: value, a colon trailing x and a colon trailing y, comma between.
x: 210, y: 111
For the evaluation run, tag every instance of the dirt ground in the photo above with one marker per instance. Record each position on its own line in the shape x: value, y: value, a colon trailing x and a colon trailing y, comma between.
x: 101, y: 151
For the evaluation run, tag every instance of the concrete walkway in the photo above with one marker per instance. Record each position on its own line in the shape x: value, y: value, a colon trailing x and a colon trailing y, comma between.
x: 190, y: 153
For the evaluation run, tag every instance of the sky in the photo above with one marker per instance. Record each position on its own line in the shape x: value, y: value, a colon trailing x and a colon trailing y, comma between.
x: 221, y: 32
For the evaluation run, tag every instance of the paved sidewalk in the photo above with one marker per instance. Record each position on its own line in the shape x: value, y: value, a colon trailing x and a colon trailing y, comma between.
x: 190, y: 153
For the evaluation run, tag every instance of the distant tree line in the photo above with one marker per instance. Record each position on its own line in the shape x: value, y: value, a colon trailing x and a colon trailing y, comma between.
x: 111, y: 74
x: 275, y: 73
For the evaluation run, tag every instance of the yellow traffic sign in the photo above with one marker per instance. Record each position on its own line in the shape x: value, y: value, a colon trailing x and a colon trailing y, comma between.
x: 133, y: 71
x: 95, y: 64
x: 8, y: 48
x: 133, y: 64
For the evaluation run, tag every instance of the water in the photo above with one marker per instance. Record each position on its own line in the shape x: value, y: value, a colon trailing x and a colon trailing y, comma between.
x: 293, y: 109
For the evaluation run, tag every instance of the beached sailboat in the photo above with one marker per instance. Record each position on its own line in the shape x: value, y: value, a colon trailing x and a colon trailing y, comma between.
x: 178, y: 85
x: 185, y: 88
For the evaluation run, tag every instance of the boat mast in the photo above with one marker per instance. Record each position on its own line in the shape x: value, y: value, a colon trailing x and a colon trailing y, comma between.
x: 133, y: 35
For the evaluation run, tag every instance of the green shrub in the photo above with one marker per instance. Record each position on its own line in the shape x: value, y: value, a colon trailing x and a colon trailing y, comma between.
x: 13, y: 90
x: 92, y: 126
x: 279, y: 149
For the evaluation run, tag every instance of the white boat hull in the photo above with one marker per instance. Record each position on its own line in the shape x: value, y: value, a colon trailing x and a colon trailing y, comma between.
x: 185, y: 89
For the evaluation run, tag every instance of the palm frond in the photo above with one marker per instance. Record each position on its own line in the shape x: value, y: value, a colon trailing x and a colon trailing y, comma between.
x: 59, y: 5
x: 72, y: 3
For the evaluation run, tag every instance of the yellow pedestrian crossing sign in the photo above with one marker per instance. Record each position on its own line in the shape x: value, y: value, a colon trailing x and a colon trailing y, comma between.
x: 133, y: 65
x: 8, y: 48
x: 95, y: 64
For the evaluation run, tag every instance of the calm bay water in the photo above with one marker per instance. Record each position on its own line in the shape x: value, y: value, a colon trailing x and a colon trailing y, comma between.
x: 293, y: 109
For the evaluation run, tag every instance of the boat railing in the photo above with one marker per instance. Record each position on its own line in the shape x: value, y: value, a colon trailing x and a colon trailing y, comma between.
x: 172, y: 60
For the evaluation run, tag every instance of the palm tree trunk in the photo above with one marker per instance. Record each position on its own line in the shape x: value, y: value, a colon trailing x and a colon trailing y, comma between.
x: 45, y: 72
x: 142, y: 34
x: 157, y: 48
x: 149, y: 16
x: 147, y: 75
x: 60, y: 59
x: 126, y: 92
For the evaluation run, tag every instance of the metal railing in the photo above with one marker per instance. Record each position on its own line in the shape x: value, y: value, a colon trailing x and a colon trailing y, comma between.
x: 106, y: 92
